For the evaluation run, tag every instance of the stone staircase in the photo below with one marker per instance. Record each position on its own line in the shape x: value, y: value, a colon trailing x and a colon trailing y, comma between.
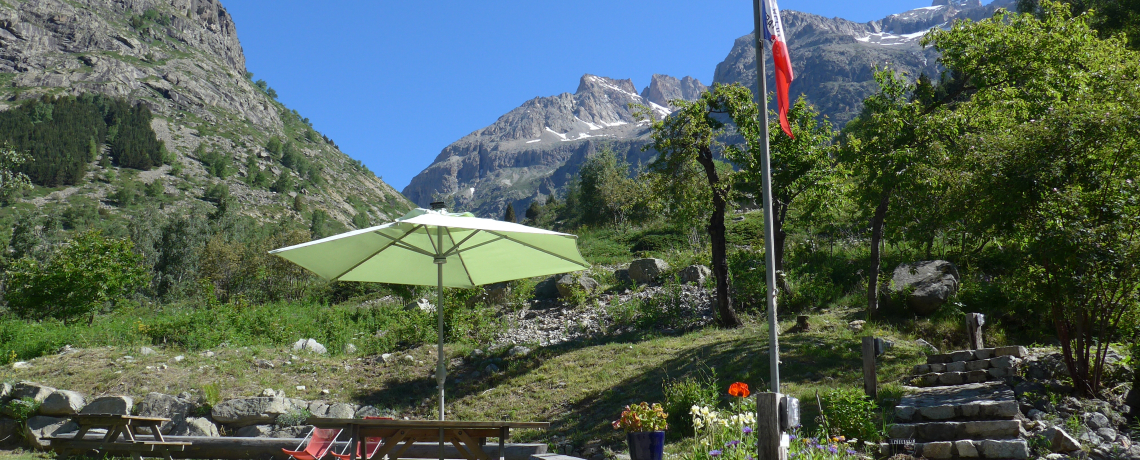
x: 965, y: 409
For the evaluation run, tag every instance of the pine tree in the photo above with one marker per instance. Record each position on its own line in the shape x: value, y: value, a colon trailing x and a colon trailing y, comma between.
x: 510, y: 214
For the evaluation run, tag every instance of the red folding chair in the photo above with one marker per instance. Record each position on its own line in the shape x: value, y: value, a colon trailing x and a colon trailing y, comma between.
x: 371, y: 445
x: 320, y: 440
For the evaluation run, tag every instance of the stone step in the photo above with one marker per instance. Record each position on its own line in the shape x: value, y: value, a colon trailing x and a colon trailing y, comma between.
x: 1002, y: 362
x: 971, y: 355
x: 982, y: 410
x: 959, y: 378
x: 970, y: 448
x: 953, y: 431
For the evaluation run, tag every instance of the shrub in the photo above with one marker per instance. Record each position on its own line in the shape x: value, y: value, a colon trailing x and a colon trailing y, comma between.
x: 295, y: 417
x: 22, y: 409
x: 848, y: 412
x: 681, y: 395
x: 78, y: 279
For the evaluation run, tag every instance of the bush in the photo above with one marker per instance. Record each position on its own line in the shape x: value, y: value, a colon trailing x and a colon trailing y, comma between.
x: 22, y: 409
x: 684, y: 393
x: 848, y: 412
x: 78, y: 279
x: 295, y: 417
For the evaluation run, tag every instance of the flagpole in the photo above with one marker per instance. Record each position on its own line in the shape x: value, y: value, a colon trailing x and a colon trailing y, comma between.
x: 766, y: 173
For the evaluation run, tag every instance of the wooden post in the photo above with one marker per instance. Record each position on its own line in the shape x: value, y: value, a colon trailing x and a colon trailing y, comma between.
x: 974, y: 323
x: 769, y: 437
x: 870, y: 379
x: 802, y: 324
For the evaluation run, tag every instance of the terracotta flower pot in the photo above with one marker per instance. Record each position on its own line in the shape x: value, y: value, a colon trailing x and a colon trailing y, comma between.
x: 646, y: 445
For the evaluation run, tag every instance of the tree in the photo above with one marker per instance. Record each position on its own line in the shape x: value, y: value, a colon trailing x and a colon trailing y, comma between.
x: 689, y: 141
x: 606, y: 193
x: 1048, y: 139
x: 509, y: 215
x: 79, y: 279
x: 804, y: 172
x: 12, y: 181
x: 882, y: 148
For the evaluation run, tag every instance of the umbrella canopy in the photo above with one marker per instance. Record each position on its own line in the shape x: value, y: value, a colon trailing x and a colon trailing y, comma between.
x: 435, y: 248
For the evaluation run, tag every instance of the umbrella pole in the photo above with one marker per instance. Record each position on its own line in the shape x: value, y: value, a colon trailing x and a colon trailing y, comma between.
x: 441, y: 369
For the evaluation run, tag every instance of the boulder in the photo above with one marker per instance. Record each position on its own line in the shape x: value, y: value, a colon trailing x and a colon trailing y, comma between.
x: 366, y: 411
x: 290, y: 431
x: 341, y: 410
x: 40, y: 426
x: 255, y: 431
x: 695, y: 274
x: 196, y: 426
x: 120, y: 405
x: 62, y: 402
x: 547, y: 288
x: 166, y: 406
x: 645, y: 271
x: 31, y: 390
x: 9, y: 431
x: 5, y: 391
x: 493, y: 294
x: 568, y: 283
x: 621, y: 275
x: 309, y: 345
x: 250, y: 411
x: 923, y: 286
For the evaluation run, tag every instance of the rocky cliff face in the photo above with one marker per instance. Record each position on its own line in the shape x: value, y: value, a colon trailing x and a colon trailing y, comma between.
x: 535, y: 148
x: 182, y: 58
x: 834, y: 59
x: 530, y: 151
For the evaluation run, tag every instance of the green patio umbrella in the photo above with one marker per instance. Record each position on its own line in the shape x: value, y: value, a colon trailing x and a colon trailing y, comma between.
x: 436, y: 248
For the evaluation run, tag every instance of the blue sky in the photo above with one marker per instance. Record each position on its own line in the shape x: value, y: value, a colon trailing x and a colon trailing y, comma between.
x: 394, y: 82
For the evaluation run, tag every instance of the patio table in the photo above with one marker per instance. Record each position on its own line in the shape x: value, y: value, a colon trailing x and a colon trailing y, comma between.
x: 399, y: 435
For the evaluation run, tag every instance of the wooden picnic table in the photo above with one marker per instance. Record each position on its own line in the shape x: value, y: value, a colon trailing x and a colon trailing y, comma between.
x: 116, y: 426
x: 467, y: 437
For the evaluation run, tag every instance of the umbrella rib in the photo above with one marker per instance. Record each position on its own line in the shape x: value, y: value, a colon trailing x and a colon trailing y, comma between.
x: 460, y: 257
x: 536, y: 248
x: 362, y: 261
x: 478, y: 245
x: 455, y: 248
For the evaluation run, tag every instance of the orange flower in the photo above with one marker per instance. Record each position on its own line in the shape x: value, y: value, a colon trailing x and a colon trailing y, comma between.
x: 739, y: 389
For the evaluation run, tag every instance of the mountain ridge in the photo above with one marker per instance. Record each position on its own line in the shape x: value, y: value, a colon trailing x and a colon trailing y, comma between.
x: 184, y: 61
x: 834, y: 60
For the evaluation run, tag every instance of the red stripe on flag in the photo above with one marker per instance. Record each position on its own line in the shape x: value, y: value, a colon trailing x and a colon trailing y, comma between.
x: 783, y: 80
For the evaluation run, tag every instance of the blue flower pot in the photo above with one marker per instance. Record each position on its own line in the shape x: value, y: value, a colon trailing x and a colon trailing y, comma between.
x: 646, y: 445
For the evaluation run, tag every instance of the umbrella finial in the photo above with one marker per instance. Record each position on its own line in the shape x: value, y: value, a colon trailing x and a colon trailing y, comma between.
x: 438, y: 205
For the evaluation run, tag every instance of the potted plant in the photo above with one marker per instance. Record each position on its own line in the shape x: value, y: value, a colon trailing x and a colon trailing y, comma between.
x: 645, y: 427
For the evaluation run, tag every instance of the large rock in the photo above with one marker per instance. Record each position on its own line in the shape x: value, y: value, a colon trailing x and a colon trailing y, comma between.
x: 9, y: 431
x: 250, y: 411
x: 120, y: 405
x: 644, y: 271
x: 309, y: 345
x: 923, y: 286
x: 341, y: 410
x: 165, y: 406
x: 62, y: 402
x: 568, y: 283
x: 40, y: 426
x: 547, y: 288
x: 493, y: 294
x: 254, y: 431
x: 31, y: 390
x: 196, y: 426
x: 695, y: 274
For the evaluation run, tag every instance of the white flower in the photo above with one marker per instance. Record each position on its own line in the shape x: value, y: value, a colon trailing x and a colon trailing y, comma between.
x: 695, y: 409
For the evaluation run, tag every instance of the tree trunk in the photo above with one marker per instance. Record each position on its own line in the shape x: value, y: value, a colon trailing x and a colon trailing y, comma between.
x: 726, y: 315
x: 780, y: 237
x: 876, y: 238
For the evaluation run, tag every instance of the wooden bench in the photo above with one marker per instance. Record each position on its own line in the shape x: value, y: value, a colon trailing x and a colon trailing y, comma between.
x: 399, y: 436
x: 118, y: 425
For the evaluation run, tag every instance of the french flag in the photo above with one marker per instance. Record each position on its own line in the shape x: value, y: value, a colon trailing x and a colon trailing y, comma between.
x: 774, y: 33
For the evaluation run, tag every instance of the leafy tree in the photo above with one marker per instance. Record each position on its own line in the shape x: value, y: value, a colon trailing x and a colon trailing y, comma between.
x: 176, y: 267
x: 606, y: 193
x: 79, y: 279
x: 283, y: 184
x: 688, y: 142
x: 883, y: 149
x: 804, y: 173
x: 1048, y: 136
x: 360, y: 220
x: 509, y: 215
x: 12, y: 181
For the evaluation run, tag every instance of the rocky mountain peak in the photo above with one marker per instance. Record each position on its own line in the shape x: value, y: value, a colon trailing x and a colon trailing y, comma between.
x: 664, y: 88
x: 594, y: 83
